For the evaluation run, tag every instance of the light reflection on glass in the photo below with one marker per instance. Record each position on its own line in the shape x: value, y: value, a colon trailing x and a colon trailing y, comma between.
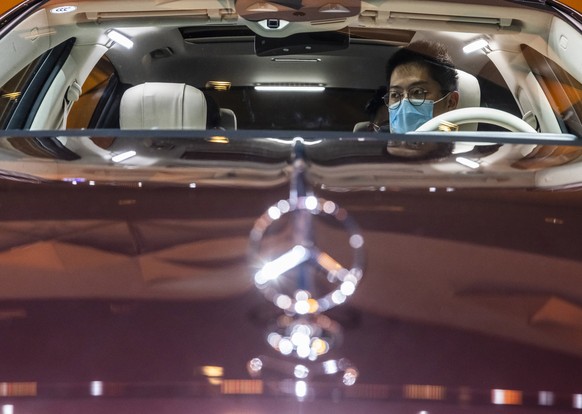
x: 577, y: 401
x: 329, y: 207
x: 255, y: 365
x: 285, y: 346
x: 330, y: 367
x: 303, y: 350
x: 283, y: 302
x: 96, y: 388
x: 7, y: 409
x: 311, y: 203
x: 546, y: 398
x: 123, y: 156
x: 302, y: 307
x: 350, y: 377
x: 273, y: 339
x: 301, y: 371
x: 356, y: 241
x: 338, y: 297
x: 424, y: 392
x: 300, y: 389
x: 467, y: 162
x: 300, y: 339
x: 348, y: 288
x: 274, y: 213
x: 272, y: 270
x: 506, y: 397
x: 284, y: 206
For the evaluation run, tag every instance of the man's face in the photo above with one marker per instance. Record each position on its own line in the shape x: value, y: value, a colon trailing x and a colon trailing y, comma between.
x: 412, y: 75
x: 409, y: 76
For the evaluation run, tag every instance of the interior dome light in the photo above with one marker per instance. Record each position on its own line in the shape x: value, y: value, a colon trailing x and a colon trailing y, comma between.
x: 478, y: 44
x: 120, y: 38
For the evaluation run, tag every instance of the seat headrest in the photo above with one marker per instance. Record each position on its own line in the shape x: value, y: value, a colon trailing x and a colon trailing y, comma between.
x: 227, y: 118
x: 157, y: 105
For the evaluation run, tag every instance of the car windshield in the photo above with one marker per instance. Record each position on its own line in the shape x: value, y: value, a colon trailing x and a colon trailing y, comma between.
x: 241, y: 206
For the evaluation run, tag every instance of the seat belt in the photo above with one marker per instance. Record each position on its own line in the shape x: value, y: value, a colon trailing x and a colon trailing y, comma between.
x: 71, y: 96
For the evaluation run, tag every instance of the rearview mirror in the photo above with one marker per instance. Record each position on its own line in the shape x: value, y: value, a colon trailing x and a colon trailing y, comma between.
x: 301, y: 43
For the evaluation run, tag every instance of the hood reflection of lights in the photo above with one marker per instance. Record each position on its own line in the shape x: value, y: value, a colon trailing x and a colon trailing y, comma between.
x: 295, y: 280
x: 307, y: 338
x: 272, y: 270
x: 302, y: 372
x: 343, y: 280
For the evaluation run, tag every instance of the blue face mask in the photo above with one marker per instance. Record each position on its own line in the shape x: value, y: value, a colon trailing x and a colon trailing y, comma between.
x: 407, y: 117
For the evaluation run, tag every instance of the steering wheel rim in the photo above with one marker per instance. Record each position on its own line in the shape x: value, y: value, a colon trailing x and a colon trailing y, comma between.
x: 477, y: 114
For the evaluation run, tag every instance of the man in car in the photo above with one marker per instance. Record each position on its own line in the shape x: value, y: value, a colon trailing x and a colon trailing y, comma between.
x: 422, y: 83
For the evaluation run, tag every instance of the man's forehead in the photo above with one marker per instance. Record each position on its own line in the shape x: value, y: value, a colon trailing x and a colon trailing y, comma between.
x: 409, y: 74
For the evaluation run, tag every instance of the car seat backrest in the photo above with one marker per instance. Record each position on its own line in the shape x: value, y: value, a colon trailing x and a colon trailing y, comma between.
x: 160, y: 105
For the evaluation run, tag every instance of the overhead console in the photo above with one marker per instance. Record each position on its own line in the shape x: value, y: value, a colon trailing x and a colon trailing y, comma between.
x: 281, y: 18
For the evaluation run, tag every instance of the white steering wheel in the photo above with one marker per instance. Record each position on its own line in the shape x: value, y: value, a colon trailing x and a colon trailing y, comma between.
x: 471, y: 115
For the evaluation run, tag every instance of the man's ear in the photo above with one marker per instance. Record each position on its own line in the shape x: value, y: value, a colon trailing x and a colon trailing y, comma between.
x: 453, y: 100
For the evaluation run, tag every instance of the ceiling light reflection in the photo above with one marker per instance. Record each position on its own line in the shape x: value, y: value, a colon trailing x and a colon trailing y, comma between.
x: 123, y: 156
x: 467, y: 162
x: 7, y: 409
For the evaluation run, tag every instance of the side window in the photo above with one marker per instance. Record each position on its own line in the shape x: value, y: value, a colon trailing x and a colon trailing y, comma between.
x: 563, y: 91
x: 23, y: 95
x: 95, y: 91
x: 11, y: 92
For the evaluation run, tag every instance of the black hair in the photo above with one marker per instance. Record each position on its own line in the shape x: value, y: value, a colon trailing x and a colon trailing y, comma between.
x: 432, y: 55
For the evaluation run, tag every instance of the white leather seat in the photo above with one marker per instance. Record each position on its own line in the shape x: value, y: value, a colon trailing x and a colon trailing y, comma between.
x: 158, y: 105
x: 469, y: 95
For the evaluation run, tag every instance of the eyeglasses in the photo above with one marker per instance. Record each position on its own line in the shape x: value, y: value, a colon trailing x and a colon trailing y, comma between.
x: 416, y: 97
